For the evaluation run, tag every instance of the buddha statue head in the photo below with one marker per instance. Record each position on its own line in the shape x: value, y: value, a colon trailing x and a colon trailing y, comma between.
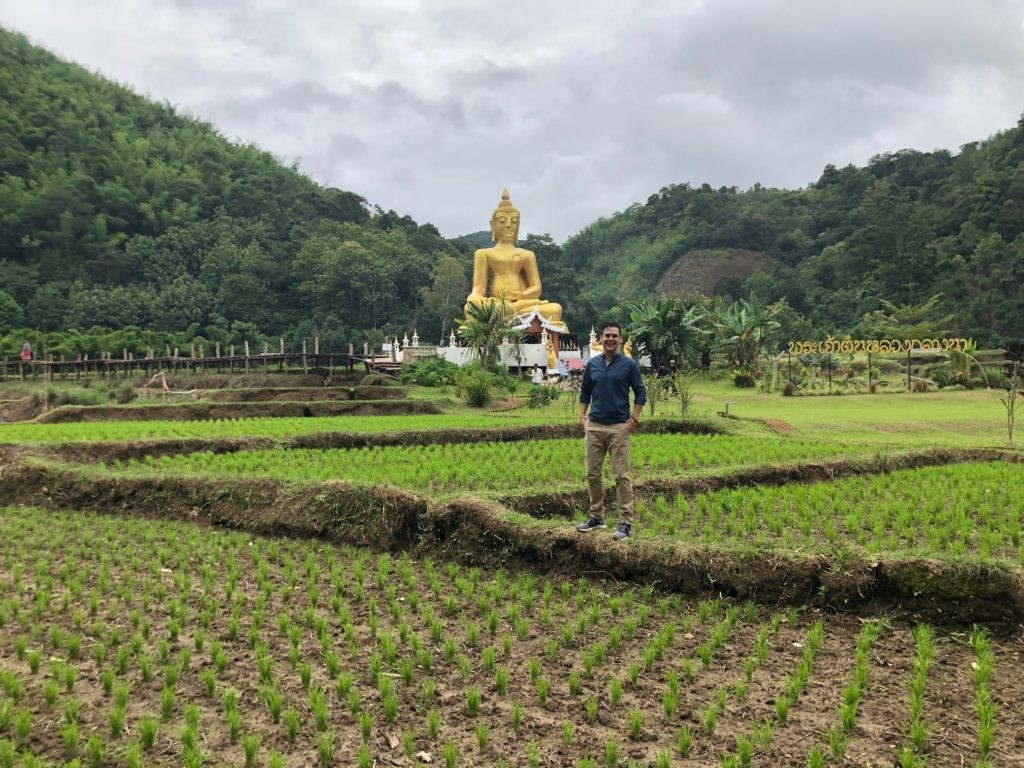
x: 505, y: 221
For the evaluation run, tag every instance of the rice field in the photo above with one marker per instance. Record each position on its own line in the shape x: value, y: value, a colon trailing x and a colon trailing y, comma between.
x: 972, y: 511
x: 499, y: 467
x: 274, y: 428
x: 173, y: 644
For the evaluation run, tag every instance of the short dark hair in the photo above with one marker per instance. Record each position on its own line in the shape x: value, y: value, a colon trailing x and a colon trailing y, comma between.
x: 610, y: 324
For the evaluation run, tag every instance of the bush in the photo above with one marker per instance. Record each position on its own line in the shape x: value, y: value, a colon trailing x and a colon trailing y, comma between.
x: 542, y: 396
x: 788, y: 389
x: 124, y: 393
x: 475, y: 385
x: 743, y: 379
x: 91, y: 395
x: 375, y: 380
x: 431, y: 373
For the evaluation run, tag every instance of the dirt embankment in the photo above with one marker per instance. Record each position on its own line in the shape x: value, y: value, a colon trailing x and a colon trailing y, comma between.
x: 477, y: 532
x: 304, y: 394
x: 212, y: 411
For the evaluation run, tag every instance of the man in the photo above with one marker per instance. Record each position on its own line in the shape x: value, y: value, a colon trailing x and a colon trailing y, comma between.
x: 606, y: 383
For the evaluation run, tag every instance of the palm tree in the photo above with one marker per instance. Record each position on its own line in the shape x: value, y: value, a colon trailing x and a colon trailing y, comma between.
x: 743, y: 328
x: 515, y: 338
x: 667, y: 330
x: 487, y: 325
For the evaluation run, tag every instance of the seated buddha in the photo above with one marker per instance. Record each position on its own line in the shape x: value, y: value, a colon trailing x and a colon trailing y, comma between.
x: 507, y: 272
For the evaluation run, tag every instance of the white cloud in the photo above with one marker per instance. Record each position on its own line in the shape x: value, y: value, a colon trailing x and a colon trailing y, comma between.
x: 431, y: 107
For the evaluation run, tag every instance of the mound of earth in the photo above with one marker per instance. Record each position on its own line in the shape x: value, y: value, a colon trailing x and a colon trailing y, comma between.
x: 710, y: 272
x: 212, y: 411
x: 303, y: 394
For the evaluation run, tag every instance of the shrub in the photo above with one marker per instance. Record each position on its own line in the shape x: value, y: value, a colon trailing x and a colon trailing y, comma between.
x: 375, y: 380
x: 788, y: 389
x: 86, y: 395
x: 477, y: 386
x: 743, y: 379
x: 541, y: 396
x: 431, y: 373
x: 124, y: 393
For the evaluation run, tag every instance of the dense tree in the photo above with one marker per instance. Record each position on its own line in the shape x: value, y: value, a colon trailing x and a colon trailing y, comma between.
x: 444, y: 297
x: 119, y: 212
x: 116, y: 211
x: 907, y: 226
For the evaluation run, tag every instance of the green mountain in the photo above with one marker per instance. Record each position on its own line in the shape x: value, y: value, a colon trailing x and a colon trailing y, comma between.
x: 126, y: 224
x: 904, y: 228
x: 119, y: 212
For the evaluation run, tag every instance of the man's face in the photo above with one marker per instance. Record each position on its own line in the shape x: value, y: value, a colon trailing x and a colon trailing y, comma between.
x: 610, y: 340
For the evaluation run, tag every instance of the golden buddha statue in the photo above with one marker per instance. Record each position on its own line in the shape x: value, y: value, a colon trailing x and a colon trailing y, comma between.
x: 512, y: 275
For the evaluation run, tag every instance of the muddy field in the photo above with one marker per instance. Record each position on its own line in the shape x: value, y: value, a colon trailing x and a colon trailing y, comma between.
x: 443, y: 658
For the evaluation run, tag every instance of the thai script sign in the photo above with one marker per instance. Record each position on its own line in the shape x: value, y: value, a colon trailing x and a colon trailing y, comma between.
x: 847, y: 346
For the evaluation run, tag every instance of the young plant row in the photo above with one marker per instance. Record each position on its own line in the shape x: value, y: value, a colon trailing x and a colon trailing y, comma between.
x: 838, y: 735
x: 271, y: 427
x: 488, y: 466
x: 176, y: 645
x: 959, y: 510
x: 322, y: 640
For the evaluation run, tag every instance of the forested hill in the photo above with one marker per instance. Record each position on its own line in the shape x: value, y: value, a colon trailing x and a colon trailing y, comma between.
x: 906, y: 227
x: 120, y: 212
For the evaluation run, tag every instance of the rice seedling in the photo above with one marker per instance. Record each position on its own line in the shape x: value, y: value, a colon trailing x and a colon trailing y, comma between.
x: 473, y: 702
x: 70, y: 738
x: 290, y: 721
x: 434, y: 724
x: 611, y: 753
x: 251, y: 745
x: 517, y: 716
x: 636, y: 724
x: 325, y: 747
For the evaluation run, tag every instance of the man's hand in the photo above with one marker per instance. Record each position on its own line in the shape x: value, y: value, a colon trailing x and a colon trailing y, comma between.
x: 632, y: 423
x: 583, y: 421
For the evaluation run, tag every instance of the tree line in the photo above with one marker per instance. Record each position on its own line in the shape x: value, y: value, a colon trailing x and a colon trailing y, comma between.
x: 123, y: 216
x: 911, y: 230
x: 119, y: 214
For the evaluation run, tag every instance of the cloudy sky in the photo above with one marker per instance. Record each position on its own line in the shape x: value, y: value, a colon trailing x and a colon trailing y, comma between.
x: 430, y: 107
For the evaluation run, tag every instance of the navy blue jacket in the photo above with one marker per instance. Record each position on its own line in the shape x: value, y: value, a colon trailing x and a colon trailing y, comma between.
x: 606, y: 388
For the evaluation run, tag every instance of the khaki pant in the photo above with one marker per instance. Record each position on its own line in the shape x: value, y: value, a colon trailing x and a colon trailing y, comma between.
x: 610, y: 439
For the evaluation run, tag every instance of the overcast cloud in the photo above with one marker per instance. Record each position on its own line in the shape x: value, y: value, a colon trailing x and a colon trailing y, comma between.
x: 430, y: 107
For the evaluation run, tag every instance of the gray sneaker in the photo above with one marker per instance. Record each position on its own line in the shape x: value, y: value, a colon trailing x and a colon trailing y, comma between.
x: 622, y: 531
x: 590, y: 524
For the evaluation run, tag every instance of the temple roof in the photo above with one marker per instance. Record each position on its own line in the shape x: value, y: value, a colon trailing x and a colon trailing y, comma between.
x: 524, y: 321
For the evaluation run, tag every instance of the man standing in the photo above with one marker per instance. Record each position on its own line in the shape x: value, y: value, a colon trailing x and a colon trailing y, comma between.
x: 606, y: 384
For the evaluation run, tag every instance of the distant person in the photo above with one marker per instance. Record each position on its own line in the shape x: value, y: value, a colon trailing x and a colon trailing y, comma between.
x: 705, y: 359
x: 537, y: 375
x: 26, y: 352
x: 607, y: 380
